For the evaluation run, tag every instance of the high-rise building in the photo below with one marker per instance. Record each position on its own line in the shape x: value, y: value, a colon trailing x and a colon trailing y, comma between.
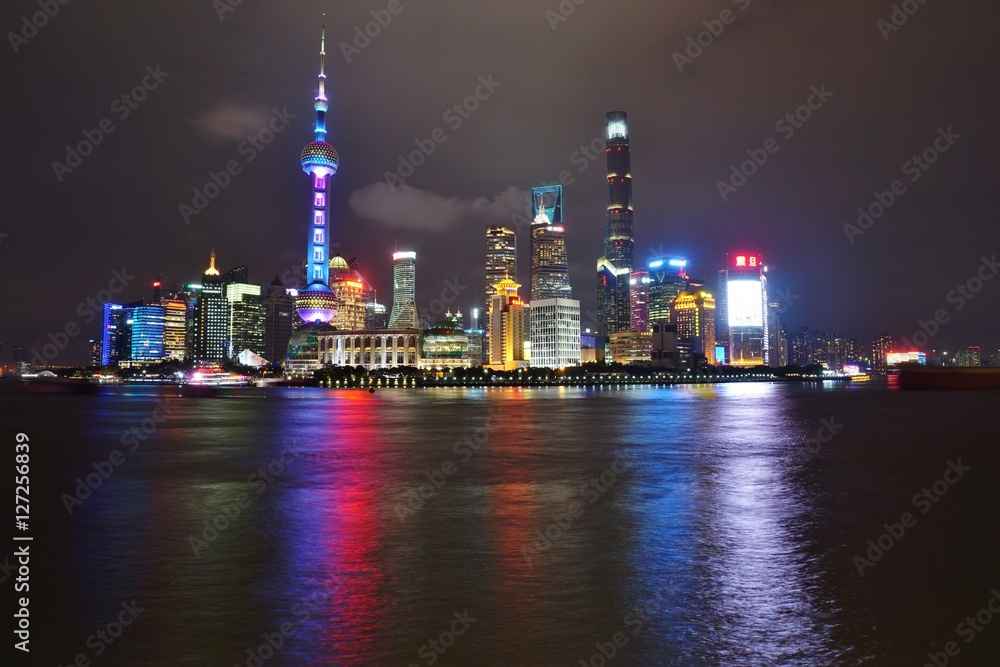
x: 174, y: 329
x: 614, y: 311
x: 778, y: 337
x: 549, y: 263
x: 501, y: 256
x: 970, y: 356
x: 667, y: 279
x: 746, y: 302
x: 112, y: 333
x: 506, y: 327
x: 404, y: 291
x: 376, y: 316
x: 189, y: 295
x: 881, y: 348
x: 279, y: 316
x: 612, y: 297
x: 247, y: 315
x: 619, y: 241
x: 555, y: 333
x: 146, y: 324
x: 211, y: 341
x: 693, y: 313
x: 350, y: 288
x: 722, y: 319
x: 316, y: 302
x: 238, y: 274
x: 95, y: 351
x: 639, y: 300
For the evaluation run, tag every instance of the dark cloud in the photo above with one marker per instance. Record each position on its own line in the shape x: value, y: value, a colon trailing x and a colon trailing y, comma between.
x: 406, y: 208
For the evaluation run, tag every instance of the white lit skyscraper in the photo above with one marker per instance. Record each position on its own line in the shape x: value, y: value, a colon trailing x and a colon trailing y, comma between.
x: 404, y: 291
x: 555, y: 333
x: 745, y: 285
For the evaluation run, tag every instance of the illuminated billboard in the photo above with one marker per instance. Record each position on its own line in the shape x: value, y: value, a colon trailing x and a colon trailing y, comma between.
x: 745, y: 300
x: 746, y: 261
x: 896, y: 358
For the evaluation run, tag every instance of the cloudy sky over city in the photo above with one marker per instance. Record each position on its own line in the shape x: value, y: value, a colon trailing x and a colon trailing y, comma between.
x: 162, y: 96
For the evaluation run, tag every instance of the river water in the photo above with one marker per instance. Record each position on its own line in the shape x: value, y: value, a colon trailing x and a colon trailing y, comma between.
x: 695, y: 525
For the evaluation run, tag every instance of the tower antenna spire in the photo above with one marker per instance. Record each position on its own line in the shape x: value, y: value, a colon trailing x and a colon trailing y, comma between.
x: 322, y: 61
x: 322, y: 103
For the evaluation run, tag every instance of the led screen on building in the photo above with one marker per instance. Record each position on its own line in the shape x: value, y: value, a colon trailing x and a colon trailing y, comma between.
x: 746, y: 303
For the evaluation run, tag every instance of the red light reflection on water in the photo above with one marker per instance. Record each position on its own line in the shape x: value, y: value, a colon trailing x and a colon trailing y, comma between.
x: 341, y: 529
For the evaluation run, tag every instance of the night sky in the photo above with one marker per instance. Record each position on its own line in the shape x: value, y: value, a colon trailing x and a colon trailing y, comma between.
x: 62, y: 239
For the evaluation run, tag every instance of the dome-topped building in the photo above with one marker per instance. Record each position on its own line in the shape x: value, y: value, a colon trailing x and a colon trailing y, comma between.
x: 444, y: 346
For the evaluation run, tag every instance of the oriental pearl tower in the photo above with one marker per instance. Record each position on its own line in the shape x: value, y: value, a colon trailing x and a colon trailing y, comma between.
x: 316, y: 303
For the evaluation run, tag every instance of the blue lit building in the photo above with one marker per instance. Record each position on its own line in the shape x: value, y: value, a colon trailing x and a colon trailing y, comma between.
x: 113, y: 330
x: 146, y: 340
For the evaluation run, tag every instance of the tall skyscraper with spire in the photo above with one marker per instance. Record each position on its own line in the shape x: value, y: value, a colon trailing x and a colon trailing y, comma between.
x: 615, y: 267
x: 211, y: 341
x: 316, y: 302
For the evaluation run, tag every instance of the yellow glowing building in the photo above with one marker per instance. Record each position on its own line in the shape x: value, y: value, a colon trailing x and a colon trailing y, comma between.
x: 694, y: 315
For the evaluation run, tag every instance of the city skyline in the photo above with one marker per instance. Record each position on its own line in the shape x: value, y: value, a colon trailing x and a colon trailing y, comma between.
x: 672, y: 220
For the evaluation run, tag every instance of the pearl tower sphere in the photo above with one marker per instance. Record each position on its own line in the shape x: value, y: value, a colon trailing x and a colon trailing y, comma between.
x: 316, y: 302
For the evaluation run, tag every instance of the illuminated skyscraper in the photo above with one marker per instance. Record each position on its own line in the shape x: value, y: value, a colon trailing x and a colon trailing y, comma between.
x: 555, y: 333
x: 693, y: 313
x: 211, y: 341
x: 614, y: 311
x: 613, y: 286
x: 667, y: 279
x: 174, y: 329
x: 146, y: 328
x: 350, y: 288
x: 501, y: 256
x: 881, y: 348
x: 316, y: 302
x: 506, y: 327
x: 745, y: 285
x: 113, y: 330
x: 246, y: 318
x: 971, y: 356
x: 549, y: 264
x: 639, y: 300
x: 404, y: 291
x: 619, y: 241
x: 778, y: 344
